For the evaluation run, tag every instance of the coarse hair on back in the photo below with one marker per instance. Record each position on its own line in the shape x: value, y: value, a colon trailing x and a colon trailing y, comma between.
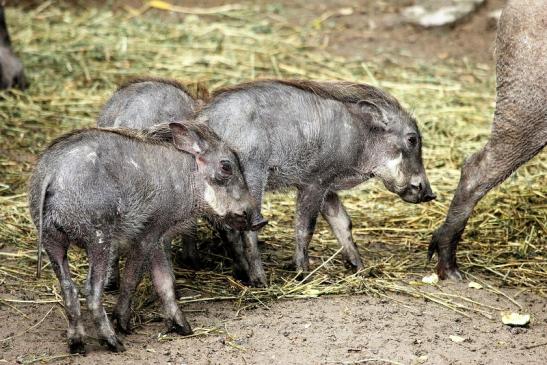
x: 201, y: 92
x: 159, y: 134
x: 343, y: 91
x: 140, y: 79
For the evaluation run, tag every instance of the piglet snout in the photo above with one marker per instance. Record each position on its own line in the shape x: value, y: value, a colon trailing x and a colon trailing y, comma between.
x: 428, y: 197
x: 246, y: 221
x: 427, y: 194
x: 422, y: 189
x: 258, y: 222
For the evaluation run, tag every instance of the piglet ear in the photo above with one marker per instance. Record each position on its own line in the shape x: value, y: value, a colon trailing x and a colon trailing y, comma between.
x: 372, y: 114
x: 187, y: 140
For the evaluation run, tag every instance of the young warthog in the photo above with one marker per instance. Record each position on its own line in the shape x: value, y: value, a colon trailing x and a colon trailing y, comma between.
x: 319, y: 137
x: 519, y: 131
x: 143, y: 103
x: 95, y: 186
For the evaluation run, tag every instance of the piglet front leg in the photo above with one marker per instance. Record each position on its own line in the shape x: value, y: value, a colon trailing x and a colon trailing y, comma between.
x: 308, y: 205
x: 335, y: 214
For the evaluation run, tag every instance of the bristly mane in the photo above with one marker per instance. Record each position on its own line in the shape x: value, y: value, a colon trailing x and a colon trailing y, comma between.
x: 343, y: 91
x: 201, y: 92
x: 139, y: 79
x: 159, y: 134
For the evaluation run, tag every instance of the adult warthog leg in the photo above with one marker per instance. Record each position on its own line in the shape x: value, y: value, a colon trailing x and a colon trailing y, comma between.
x: 502, y: 155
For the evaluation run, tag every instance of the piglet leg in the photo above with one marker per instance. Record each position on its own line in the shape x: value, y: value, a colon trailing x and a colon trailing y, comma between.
x: 112, y: 282
x: 257, y: 276
x: 98, y: 252
x: 335, y: 214
x: 256, y: 181
x: 162, y: 277
x: 308, y: 204
x: 56, y: 248
x: 132, y: 275
x: 234, y: 241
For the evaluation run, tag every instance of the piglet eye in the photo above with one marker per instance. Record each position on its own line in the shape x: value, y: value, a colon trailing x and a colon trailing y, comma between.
x: 412, y: 141
x: 226, y: 168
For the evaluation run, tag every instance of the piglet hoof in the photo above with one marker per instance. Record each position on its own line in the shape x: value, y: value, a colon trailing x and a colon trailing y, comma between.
x: 123, y: 328
x: 76, y: 346
x: 113, y: 344
x: 121, y: 323
x: 189, y: 261
x: 257, y: 277
x: 258, y: 283
x: 353, y: 263
x: 289, y: 266
x: 257, y: 224
x: 358, y: 269
x: 182, y: 328
x: 302, y: 275
x: 240, y: 274
x: 302, y: 265
x: 112, y: 286
x: 252, y: 277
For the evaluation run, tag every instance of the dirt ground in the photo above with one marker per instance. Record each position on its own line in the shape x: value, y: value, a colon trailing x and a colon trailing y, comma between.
x: 340, y: 329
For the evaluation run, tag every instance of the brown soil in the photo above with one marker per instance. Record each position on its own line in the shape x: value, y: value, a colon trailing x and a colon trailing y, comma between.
x: 345, y: 329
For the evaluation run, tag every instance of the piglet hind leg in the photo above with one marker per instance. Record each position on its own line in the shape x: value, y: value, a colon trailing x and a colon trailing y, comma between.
x: 502, y: 155
x: 335, y: 214
x: 98, y: 253
x: 56, y: 247
x: 112, y: 282
x: 164, y: 283
x: 131, y: 277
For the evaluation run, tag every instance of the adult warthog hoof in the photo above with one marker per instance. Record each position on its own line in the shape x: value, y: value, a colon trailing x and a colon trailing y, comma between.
x: 451, y: 272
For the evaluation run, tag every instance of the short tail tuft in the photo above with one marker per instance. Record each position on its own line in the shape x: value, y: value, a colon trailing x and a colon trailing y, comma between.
x: 43, y: 192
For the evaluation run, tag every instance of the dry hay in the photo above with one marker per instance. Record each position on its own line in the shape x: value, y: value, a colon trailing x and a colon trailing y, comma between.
x: 75, y: 60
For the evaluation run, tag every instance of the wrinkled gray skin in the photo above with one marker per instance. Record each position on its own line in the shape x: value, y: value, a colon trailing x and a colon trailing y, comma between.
x: 318, y: 137
x: 143, y: 103
x: 95, y: 187
x: 11, y: 68
x: 519, y: 131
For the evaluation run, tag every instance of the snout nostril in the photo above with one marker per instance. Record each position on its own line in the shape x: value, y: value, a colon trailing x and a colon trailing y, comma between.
x: 418, y: 187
